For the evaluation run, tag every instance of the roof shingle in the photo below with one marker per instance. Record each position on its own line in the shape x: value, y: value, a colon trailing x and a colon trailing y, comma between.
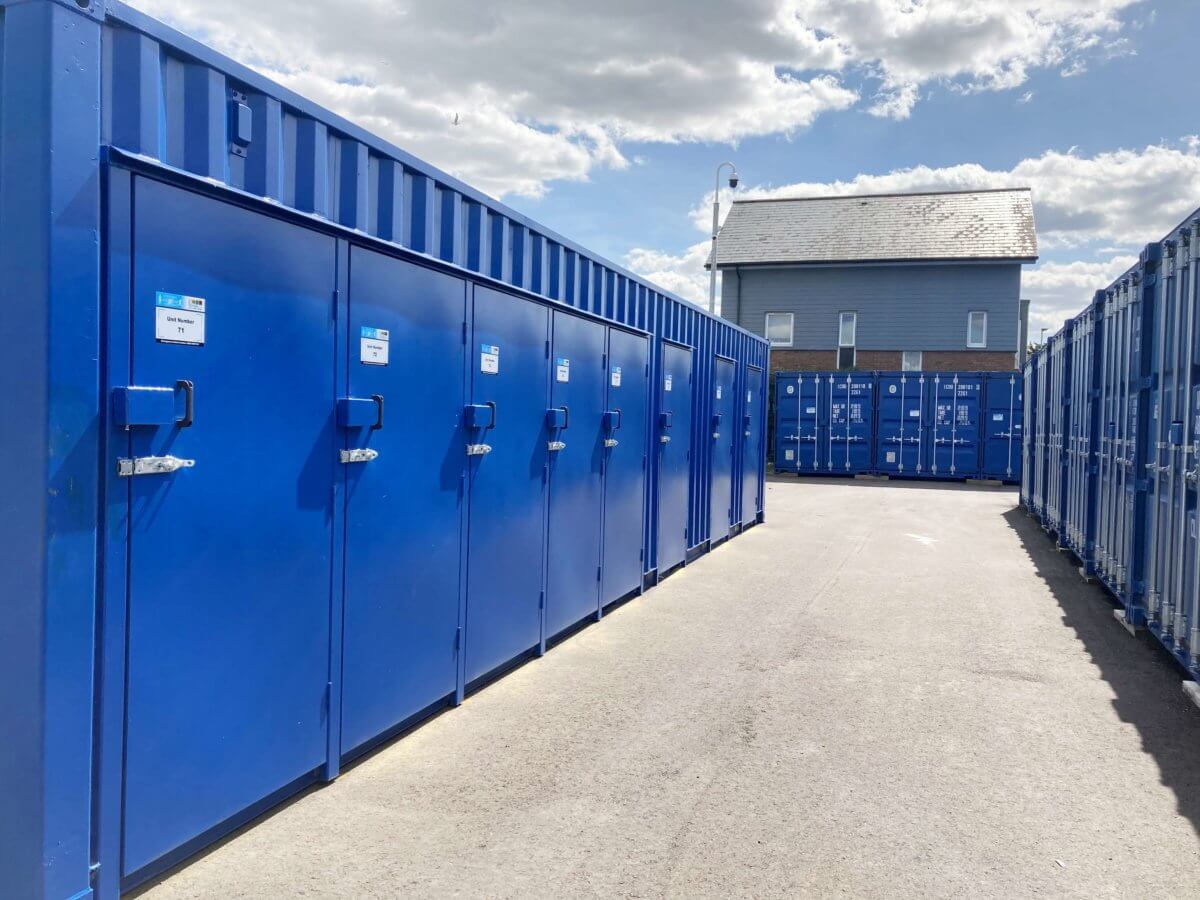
x: 960, y: 225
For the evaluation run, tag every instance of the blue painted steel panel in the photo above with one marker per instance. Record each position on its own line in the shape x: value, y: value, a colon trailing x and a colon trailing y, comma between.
x: 228, y: 650
x: 1030, y: 431
x: 955, y: 428
x: 404, y: 509
x: 753, y: 439
x: 848, y: 443
x: 725, y: 429
x: 802, y: 407
x: 509, y: 358
x: 785, y: 421
x: 1003, y: 426
x: 625, y: 466
x: 674, y: 464
x: 578, y: 388
x: 903, y: 423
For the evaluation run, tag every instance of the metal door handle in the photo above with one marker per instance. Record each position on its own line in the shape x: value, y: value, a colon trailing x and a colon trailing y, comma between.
x: 378, y: 398
x: 491, y: 404
x: 152, y: 465
x: 566, y: 417
x: 189, y: 402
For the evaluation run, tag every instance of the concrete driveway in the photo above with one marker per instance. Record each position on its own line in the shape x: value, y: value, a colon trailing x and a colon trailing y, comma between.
x: 887, y: 690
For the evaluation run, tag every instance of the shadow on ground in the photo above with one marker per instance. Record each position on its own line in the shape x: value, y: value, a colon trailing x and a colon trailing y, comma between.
x: 1144, y: 678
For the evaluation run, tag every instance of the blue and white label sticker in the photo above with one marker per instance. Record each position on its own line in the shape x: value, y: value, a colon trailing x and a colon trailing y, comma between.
x: 749, y: 396
x: 718, y: 392
x: 489, y: 359
x: 373, y: 346
x: 791, y: 389
x: 615, y: 377
x: 562, y: 369
x: 667, y: 383
x: 179, y: 319
x: 998, y: 417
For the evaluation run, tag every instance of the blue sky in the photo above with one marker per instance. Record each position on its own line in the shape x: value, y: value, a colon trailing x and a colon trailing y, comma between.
x: 605, y: 121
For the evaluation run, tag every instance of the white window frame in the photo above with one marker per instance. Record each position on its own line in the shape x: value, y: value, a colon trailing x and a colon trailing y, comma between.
x: 977, y: 345
x: 853, y: 342
x: 904, y: 366
x: 791, y: 320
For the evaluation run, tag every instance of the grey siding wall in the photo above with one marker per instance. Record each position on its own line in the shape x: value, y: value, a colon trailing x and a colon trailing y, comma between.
x: 916, y: 307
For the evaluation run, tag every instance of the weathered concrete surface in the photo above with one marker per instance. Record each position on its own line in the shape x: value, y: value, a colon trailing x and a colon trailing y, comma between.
x: 886, y: 690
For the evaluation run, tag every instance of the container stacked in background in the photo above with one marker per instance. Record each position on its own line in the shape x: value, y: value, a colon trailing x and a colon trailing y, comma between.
x: 308, y: 439
x: 1112, y: 440
x: 943, y: 425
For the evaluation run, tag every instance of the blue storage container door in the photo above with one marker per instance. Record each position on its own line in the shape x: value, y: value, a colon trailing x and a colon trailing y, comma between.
x: 786, y: 422
x: 674, y: 455
x: 576, y: 447
x: 510, y: 390
x: 753, y: 419
x: 403, y: 508
x: 724, y: 428
x: 902, y: 423
x: 851, y: 422
x: 625, y: 464
x: 955, y: 429
x: 230, y: 565
x: 1002, y: 427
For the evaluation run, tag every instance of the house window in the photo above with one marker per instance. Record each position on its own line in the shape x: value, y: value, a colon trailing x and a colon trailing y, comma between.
x: 779, y: 329
x: 847, y: 328
x: 977, y: 329
x: 847, y: 337
x: 910, y: 361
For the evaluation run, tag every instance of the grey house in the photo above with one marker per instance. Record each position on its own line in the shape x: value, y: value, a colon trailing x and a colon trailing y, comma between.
x: 893, y: 281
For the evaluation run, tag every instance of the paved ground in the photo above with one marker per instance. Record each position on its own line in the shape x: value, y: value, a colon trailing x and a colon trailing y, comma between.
x: 887, y: 690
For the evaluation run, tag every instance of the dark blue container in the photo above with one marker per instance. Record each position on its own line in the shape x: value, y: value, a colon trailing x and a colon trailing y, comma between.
x: 313, y: 438
x: 1003, y: 426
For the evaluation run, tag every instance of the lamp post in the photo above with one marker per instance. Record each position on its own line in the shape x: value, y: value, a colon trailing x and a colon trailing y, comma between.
x: 712, y: 260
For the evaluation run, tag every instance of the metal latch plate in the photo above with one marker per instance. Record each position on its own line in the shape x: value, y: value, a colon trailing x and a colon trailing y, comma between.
x: 152, y: 465
x: 610, y: 442
x: 478, y: 449
x: 556, y: 445
x: 359, y: 455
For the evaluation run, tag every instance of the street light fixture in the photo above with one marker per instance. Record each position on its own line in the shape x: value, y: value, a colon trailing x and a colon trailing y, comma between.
x: 712, y: 260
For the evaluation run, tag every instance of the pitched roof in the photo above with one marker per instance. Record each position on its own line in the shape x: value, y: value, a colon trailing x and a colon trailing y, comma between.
x: 957, y: 225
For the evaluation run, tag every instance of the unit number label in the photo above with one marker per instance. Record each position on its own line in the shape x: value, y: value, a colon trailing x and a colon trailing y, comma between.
x: 789, y: 454
x: 810, y: 411
x: 615, y: 378
x: 997, y: 417
x: 489, y: 359
x: 562, y: 369
x: 179, y: 319
x: 891, y: 456
x: 667, y: 383
x: 718, y: 392
x: 373, y: 346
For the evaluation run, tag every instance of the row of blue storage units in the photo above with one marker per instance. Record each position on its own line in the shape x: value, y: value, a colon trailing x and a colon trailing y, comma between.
x: 949, y: 425
x: 1113, y: 440
x: 313, y: 439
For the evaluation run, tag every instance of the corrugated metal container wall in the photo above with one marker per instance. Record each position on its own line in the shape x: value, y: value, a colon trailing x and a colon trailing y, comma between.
x: 1031, y: 435
x: 1133, y: 397
x: 134, y: 163
x: 1171, y: 476
x: 1079, y: 515
x: 1058, y: 424
x: 1042, y: 366
x: 946, y: 425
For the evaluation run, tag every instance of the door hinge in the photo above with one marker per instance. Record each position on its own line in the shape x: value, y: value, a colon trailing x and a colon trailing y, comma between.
x: 641, y: 554
x: 458, y: 639
x: 542, y: 600
x: 464, y: 332
x: 547, y: 349
x: 337, y: 299
x: 598, y: 573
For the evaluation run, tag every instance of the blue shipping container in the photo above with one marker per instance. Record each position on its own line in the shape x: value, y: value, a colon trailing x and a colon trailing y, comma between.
x: 314, y: 438
x: 1124, y: 380
x: 947, y: 425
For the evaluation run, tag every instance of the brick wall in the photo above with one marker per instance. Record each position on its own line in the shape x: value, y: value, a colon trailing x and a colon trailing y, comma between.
x: 783, y: 360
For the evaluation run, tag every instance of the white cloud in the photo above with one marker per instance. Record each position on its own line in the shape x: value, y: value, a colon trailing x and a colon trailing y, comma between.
x: 550, y: 90
x: 1110, y: 204
x: 684, y: 274
x: 1058, y: 291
